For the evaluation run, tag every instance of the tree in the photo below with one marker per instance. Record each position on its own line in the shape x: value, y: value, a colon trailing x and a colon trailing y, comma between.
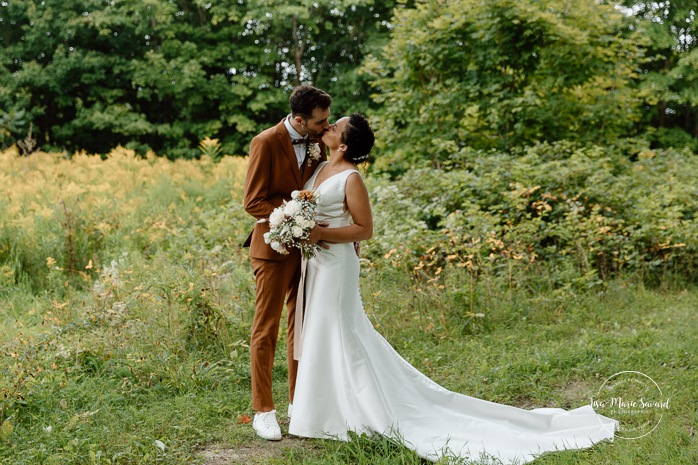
x: 152, y: 74
x: 322, y: 42
x: 502, y: 73
x: 165, y: 74
x: 669, y: 79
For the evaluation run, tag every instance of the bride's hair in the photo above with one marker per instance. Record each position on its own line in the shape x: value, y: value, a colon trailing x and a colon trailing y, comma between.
x: 359, y: 139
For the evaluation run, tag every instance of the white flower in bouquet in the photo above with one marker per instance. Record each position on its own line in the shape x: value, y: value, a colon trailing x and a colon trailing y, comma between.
x: 276, y: 245
x: 292, y: 208
x: 297, y: 231
x: 294, y: 194
x: 276, y: 217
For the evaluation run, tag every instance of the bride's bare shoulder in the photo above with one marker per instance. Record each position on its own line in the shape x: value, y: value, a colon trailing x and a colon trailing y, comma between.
x: 356, y: 184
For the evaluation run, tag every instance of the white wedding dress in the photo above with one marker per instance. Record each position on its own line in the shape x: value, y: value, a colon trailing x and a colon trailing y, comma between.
x: 351, y: 379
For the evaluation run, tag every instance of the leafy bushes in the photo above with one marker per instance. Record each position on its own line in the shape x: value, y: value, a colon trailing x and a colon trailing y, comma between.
x: 83, y: 212
x: 582, y: 212
x: 586, y: 212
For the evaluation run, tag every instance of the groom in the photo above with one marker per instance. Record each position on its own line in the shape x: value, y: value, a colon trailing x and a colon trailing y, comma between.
x: 278, y: 164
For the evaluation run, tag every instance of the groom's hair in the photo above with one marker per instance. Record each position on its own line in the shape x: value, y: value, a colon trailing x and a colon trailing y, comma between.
x: 304, y: 99
x: 359, y: 139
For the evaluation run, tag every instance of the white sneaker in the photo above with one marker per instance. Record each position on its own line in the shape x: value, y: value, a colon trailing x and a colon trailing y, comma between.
x: 290, y: 410
x: 266, y: 426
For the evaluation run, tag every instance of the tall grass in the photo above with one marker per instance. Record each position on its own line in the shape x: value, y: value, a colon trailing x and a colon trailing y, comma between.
x: 126, y: 302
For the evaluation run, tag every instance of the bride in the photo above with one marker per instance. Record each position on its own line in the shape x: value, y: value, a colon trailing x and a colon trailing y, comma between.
x: 351, y: 380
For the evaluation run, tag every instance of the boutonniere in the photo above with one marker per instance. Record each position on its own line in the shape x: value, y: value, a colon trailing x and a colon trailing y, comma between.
x: 313, y: 153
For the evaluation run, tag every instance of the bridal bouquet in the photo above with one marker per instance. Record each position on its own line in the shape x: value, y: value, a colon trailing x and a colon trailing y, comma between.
x: 291, y: 222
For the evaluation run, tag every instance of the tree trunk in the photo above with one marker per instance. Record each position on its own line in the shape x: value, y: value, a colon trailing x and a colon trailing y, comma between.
x: 298, y: 51
x: 661, y: 106
x: 687, y: 114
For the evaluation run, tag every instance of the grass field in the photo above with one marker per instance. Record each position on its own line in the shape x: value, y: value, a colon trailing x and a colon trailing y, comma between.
x: 126, y: 302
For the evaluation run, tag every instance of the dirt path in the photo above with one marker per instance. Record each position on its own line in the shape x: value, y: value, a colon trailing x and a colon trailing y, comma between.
x: 255, y: 452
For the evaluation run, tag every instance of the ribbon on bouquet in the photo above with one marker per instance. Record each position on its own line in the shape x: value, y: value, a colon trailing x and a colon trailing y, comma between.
x: 300, y: 309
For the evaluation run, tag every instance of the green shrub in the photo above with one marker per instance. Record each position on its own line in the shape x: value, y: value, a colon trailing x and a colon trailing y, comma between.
x: 584, y: 209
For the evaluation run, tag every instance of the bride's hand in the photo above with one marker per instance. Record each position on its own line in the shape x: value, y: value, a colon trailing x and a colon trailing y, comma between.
x: 316, y: 233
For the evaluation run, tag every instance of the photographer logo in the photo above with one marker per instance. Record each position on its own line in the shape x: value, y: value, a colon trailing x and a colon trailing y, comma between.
x: 633, y: 399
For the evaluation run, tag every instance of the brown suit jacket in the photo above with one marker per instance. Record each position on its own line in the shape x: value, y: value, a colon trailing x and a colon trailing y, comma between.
x: 272, y: 174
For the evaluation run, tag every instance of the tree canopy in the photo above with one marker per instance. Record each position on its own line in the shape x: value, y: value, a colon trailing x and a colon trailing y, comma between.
x: 164, y: 74
x: 505, y: 73
x: 669, y: 79
x: 435, y: 75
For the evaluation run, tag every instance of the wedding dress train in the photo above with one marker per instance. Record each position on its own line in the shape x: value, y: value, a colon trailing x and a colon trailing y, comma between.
x: 351, y: 379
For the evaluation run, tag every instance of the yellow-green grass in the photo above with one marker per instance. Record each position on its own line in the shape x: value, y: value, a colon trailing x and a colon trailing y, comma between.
x: 126, y: 302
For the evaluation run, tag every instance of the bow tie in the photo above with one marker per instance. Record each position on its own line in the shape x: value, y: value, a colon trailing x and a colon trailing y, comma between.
x: 298, y: 141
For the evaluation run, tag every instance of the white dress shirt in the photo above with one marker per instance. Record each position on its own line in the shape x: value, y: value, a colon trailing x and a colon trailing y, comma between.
x: 298, y: 148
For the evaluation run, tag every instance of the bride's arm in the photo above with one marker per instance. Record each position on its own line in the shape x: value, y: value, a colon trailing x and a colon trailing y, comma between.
x: 360, y: 209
